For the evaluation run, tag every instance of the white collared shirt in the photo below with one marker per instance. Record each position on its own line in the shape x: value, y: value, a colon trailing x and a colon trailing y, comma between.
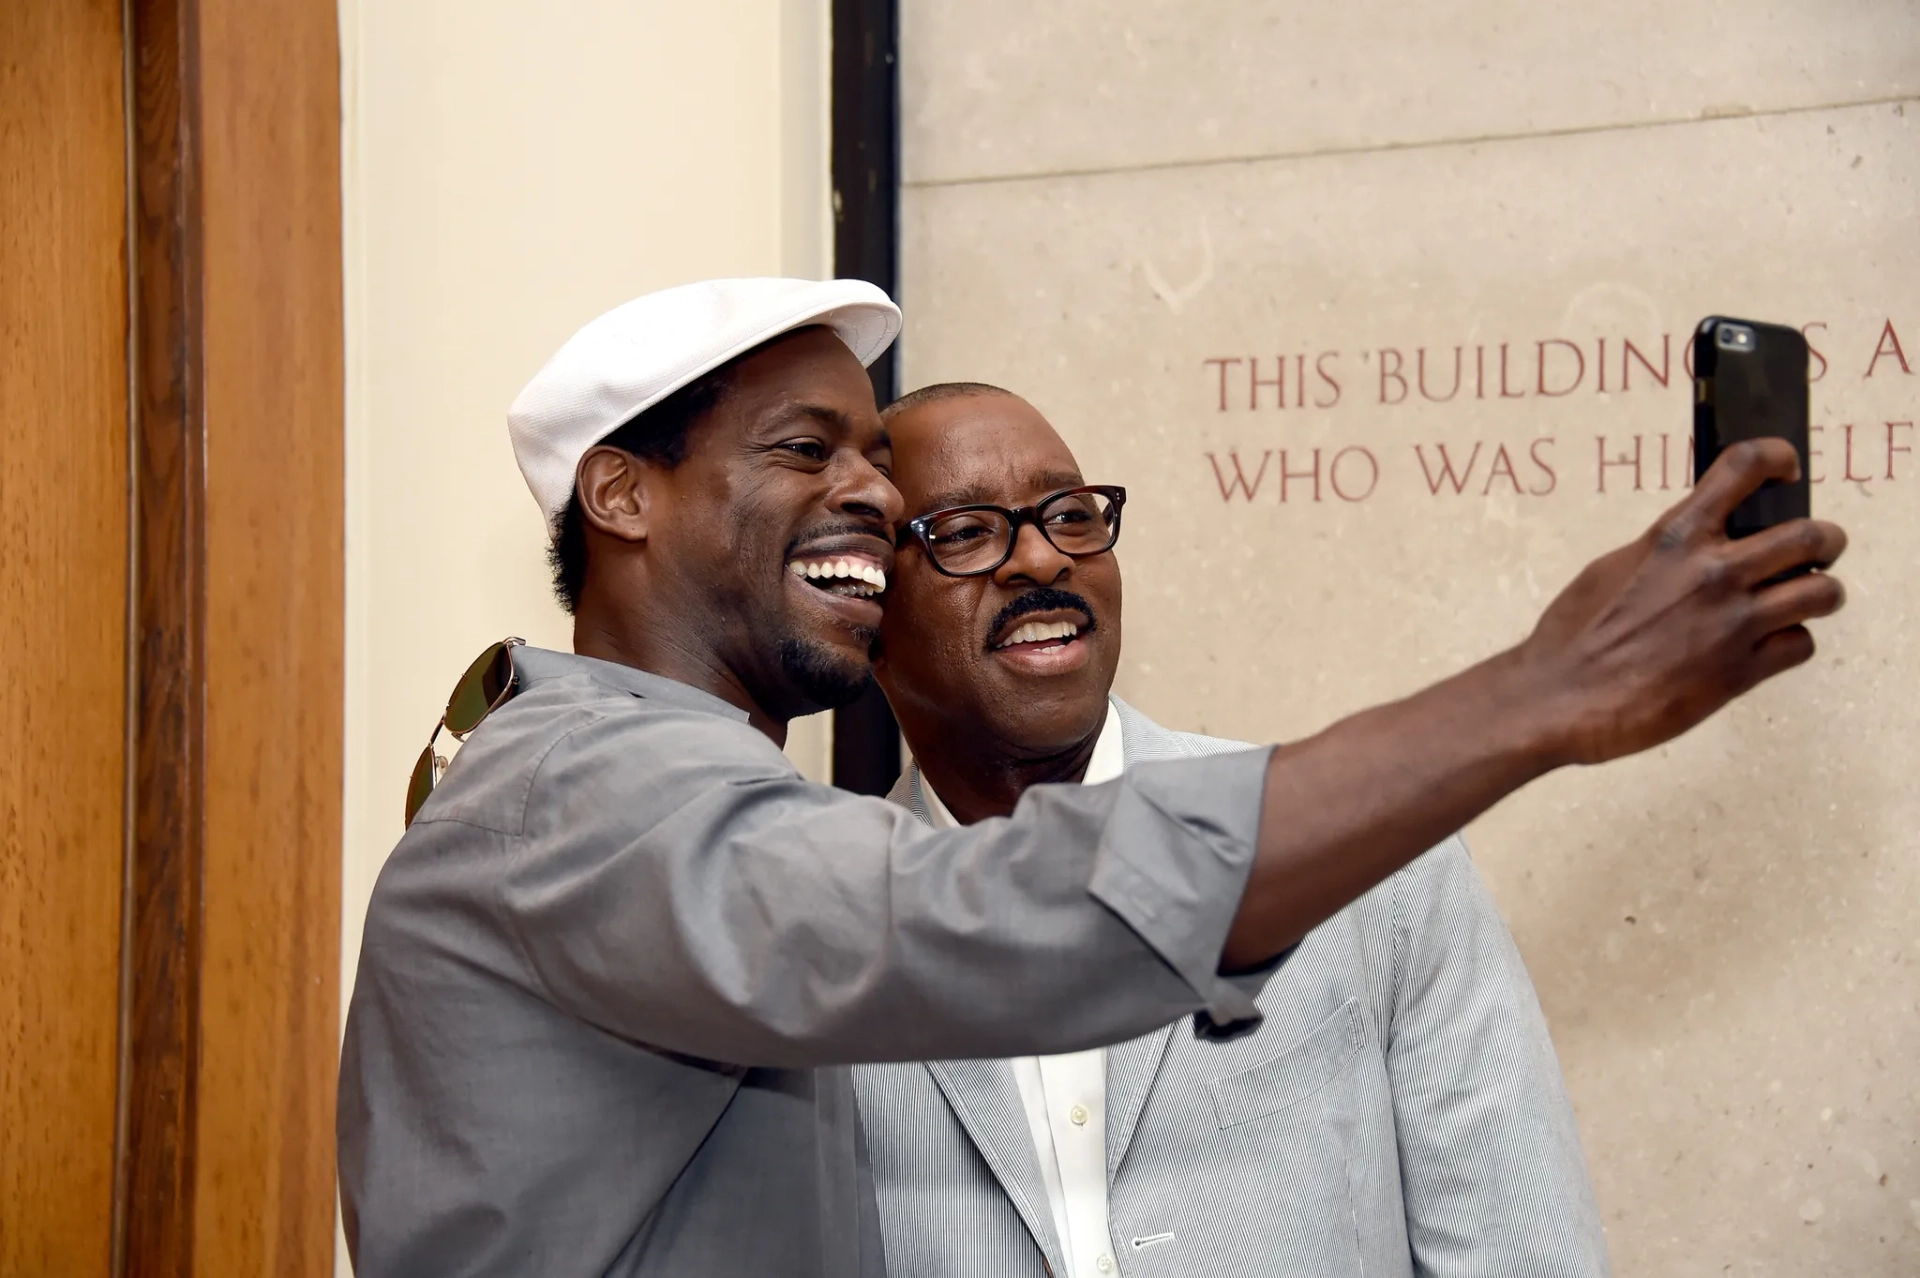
x: 1066, y: 1096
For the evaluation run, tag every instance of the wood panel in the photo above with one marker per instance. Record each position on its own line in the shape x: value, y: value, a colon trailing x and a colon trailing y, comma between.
x: 269, y: 1016
x: 169, y: 590
x: 63, y: 554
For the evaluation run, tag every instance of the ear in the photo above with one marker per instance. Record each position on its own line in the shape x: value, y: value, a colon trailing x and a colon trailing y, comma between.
x: 615, y: 492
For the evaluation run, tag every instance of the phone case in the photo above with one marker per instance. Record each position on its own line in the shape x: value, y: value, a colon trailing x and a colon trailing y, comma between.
x: 1750, y: 381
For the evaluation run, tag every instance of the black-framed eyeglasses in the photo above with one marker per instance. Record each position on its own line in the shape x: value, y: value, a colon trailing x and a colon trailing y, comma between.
x: 966, y: 541
x: 487, y: 685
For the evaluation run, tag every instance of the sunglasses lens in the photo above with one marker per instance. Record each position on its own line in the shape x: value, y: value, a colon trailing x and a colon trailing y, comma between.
x: 420, y: 784
x: 480, y: 689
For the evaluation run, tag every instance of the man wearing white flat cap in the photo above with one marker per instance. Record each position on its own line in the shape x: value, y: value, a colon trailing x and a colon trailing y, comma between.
x: 615, y: 973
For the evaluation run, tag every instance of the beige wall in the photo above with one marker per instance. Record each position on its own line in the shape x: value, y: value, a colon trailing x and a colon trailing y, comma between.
x: 1108, y: 202
x: 512, y: 170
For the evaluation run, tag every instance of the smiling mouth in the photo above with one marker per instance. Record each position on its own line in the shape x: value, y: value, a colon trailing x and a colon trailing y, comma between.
x: 1039, y: 636
x: 845, y: 577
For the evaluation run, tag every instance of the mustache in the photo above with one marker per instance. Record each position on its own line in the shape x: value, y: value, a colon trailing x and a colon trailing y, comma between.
x: 1043, y: 599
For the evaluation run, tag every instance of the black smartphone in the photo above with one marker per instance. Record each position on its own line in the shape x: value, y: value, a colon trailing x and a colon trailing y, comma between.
x: 1749, y: 382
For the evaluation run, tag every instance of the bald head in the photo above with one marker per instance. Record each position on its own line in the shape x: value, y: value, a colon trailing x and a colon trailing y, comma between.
x: 947, y: 437
x: 937, y: 392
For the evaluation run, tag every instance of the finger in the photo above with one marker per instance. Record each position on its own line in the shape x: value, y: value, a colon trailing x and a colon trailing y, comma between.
x: 1784, y: 547
x: 1790, y: 603
x: 1734, y: 476
x: 1777, y: 653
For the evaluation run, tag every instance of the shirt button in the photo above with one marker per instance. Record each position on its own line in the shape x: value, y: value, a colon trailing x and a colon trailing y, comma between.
x: 1079, y: 1116
x: 1104, y: 1264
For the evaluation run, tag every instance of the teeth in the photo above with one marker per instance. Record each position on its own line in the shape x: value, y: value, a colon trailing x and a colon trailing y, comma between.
x: 1040, y: 632
x: 849, y: 570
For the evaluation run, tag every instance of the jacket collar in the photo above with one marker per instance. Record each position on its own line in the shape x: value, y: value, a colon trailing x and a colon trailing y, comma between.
x: 983, y: 1094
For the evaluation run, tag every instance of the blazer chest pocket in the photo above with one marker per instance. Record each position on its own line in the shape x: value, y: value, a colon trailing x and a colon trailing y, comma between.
x: 1295, y: 1074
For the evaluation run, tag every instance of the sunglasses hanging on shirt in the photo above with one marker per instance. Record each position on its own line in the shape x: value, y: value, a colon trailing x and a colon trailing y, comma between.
x: 486, y: 686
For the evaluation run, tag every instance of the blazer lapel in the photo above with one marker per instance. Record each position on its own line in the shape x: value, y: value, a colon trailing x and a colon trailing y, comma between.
x: 1131, y: 1069
x: 908, y: 794
x: 984, y: 1096
x: 986, y: 1100
x: 1132, y: 1066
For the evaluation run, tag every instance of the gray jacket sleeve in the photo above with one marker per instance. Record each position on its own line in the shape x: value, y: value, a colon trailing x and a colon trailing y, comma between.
x: 1495, y: 1182
x: 709, y: 901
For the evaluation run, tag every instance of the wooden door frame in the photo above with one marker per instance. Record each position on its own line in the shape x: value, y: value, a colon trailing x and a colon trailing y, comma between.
x: 205, y: 957
x: 153, y: 1200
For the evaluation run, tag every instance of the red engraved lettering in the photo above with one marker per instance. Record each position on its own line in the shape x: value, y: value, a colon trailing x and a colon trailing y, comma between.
x: 1621, y: 460
x: 1300, y: 381
x: 1628, y: 351
x: 1850, y: 477
x: 1546, y: 467
x: 1892, y: 447
x: 1505, y: 391
x: 1601, y: 362
x: 1239, y: 483
x: 1373, y: 473
x: 1313, y: 473
x: 1320, y: 367
x: 1540, y: 367
x: 1806, y: 331
x: 1446, y: 474
x: 1668, y: 470
x: 1278, y: 381
x: 1502, y: 465
x: 1394, y: 373
x: 1421, y: 356
x: 1223, y: 378
x: 1479, y: 372
x: 1889, y: 345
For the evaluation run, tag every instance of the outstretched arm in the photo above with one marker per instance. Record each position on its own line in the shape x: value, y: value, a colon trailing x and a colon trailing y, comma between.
x: 1645, y: 643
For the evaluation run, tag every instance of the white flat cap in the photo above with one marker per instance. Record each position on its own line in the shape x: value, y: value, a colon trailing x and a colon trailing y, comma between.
x: 637, y: 354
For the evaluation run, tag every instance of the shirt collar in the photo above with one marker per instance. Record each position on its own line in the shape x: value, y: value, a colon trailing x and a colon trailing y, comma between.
x: 538, y: 665
x: 1109, y: 761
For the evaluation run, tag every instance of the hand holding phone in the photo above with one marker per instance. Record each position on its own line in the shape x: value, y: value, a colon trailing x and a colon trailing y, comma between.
x: 1653, y: 638
x: 1750, y: 382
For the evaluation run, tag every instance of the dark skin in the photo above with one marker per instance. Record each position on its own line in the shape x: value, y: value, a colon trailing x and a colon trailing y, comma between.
x: 690, y: 576
x: 992, y: 724
x: 687, y: 566
x: 1646, y: 643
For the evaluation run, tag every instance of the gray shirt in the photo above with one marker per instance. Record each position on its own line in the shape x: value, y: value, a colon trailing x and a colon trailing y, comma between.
x: 614, y: 974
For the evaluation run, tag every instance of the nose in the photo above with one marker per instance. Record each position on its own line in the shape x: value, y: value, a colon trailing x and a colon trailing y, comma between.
x: 866, y: 494
x: 1035, y: 561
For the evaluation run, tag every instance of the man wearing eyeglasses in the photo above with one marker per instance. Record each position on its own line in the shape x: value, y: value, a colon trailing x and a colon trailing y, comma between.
x: 615, y: 972
x: 1398, y: 1110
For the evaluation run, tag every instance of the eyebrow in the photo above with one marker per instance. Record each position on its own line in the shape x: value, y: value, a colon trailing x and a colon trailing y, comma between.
x: 792, y: 413
x: 830, y: 417
x: 1051, y: 481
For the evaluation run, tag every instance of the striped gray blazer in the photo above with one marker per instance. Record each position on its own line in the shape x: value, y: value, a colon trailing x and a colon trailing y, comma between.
x: 1399, y: 1111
